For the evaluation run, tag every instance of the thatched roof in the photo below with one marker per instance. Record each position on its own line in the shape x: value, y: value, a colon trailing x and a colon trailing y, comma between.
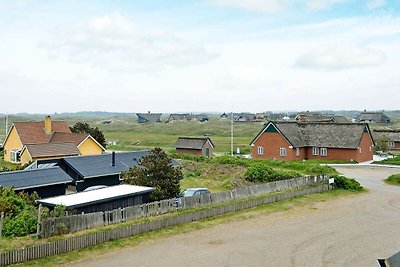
x: 148, y: 117
x: 196, y: 143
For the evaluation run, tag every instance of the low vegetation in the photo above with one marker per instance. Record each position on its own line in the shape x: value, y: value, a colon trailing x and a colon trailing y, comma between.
x: 390, y: 161
x: 345, y: 183
x: 393, y: 179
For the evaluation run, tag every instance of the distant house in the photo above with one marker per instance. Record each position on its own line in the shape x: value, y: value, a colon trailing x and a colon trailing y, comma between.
x: 372, y: 117
x: 304, y: 140
x: 317, y: 117
x: 245, y: 117
x: 200, y: 118
x: 29, y: 141
x: 195, y: 145
x: 104, y: 199
x: 178, y: 117
x: 392, y: 138
x: 223, y: 116
x: 47, y: 182
x: 149, y: 117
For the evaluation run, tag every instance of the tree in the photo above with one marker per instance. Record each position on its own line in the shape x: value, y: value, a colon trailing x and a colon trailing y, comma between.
x: 83, y: 127
x: 156, y: 170
x: 381, y: 143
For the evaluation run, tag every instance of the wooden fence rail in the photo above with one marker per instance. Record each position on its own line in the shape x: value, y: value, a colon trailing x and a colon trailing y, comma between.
x: 87, y: 240
x: 74, y: 223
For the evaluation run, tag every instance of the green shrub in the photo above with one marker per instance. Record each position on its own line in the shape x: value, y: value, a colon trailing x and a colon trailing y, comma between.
x: 260, y: 172
x: 345, y: 183
x: 393, y: 179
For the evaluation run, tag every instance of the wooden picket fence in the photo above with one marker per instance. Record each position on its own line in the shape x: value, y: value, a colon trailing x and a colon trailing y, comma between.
x: 91, y: 239
x: 74, y: 223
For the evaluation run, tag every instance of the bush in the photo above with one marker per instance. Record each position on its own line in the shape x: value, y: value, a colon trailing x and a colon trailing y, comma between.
x: 260, y: 172
x: 345, y: 183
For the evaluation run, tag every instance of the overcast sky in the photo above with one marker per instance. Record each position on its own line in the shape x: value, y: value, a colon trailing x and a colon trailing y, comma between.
x: 206, y: 55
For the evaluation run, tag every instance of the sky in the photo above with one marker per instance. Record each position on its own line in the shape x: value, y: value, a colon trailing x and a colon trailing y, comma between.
x: 199, y: 56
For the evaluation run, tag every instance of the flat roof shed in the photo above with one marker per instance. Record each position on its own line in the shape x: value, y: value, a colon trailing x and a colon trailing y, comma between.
x: 108, y: 198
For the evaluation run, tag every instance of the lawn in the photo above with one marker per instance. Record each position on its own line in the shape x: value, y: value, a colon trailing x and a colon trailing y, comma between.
x: 393, y: 179
x: 389, y: 161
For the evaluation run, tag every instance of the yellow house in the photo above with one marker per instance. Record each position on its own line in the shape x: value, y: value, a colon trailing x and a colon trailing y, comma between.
x: 29, y: 141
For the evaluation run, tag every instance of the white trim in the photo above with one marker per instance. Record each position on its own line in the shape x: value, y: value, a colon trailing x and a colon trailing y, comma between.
x: 315, y: 151
x: 93, y: 140
x: 324, y: 151
x: 297, y: 152
x: 208, y: 141
x: 8, y: 134
x: 260, y: 149
x: 282, y: 149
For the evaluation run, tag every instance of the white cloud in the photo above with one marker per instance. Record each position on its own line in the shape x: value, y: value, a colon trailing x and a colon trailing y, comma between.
x: 337, y: 58
x: 322, y: 4
x: 113, y: 42
x: 261, y: 6
x: 374, y: 4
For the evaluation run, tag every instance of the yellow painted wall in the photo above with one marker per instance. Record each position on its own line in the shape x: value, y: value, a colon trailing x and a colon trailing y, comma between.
x: 13, y: 142
x: 90, y: 147
x: 25, y: 157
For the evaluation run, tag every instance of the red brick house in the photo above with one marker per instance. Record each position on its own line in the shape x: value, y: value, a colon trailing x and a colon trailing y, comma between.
x: 195, y: 146
x: 307, y: 140
x: 392, y: 137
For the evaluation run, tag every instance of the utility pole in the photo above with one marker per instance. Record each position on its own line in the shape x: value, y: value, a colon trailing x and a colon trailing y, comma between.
x: 232, y: 134
x: 6, y: 119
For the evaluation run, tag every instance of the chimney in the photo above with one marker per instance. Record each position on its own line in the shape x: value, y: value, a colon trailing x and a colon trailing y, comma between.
x: 47, y: 125
x: 113, y: 159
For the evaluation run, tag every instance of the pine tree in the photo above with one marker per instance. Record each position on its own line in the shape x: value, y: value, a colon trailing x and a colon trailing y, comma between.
x: 156, y: 170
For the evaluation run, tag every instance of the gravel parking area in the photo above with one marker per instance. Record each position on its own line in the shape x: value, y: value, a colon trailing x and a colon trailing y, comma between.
x: 348, y: 231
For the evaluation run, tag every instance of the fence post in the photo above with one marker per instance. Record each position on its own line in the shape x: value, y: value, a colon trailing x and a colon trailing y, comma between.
x: 39, y: 220
x: 1, y: 225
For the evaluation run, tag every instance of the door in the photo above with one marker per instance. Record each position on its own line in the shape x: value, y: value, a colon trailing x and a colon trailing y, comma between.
x: 207, y: 152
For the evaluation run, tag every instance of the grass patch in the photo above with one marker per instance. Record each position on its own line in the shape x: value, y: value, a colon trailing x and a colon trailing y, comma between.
x: 299, y: 202
x: 391, y: 161
x: 393, y: 179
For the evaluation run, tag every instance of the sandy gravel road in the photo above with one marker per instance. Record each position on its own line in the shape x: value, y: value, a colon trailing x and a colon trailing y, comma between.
x: 349, y: 231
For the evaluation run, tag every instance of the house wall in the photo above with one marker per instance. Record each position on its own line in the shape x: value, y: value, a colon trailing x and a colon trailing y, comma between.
x: 89, y: 147
x: 108, y: 180
x: 115, y: 204
x: 25, y: 157
x: 367, y: 150
x: 47, y: 191
x: 13, y: 142
x: 272, y: 142
x: 211, y: 151
x: 396, y: 146
x: 189, y: 151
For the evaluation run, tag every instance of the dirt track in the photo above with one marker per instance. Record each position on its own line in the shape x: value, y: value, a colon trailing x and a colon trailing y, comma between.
x: 350, y: 231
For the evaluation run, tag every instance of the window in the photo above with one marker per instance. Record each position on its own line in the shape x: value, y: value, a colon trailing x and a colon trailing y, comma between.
x: 391, y: 144
x: 260, y: 150
x: 359, y: 149
x: 315, y: 151
x: 324, y: 151
x: 283, y: 152
x: 15, y: 155
x: 297, y: 152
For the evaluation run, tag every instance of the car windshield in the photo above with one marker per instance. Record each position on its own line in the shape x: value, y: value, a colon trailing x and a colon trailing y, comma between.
x: 188, y: 192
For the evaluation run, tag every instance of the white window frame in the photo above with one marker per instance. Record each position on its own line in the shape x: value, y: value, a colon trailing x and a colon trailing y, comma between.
x: 297, y: 152
x: 282, y: 151
x: 359, y: 150
x: 315, y: 151
x: 391, y: 144
x: 260, y: 150
x: 324, y: 151
x: 14, y: 155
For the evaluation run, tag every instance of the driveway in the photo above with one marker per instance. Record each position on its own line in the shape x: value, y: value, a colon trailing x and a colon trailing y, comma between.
x: 347, y: 231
